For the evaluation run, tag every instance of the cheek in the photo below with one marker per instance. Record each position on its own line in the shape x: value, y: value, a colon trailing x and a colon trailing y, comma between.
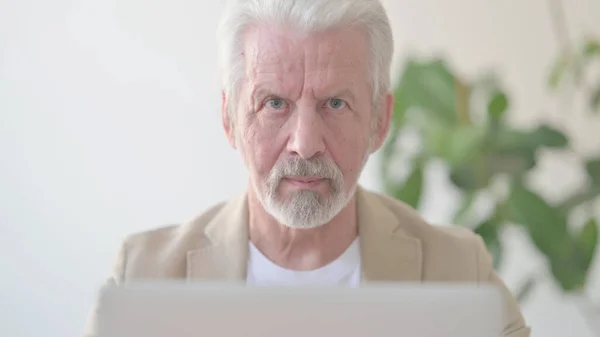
x: 348, y: 145
x: 260, y: 148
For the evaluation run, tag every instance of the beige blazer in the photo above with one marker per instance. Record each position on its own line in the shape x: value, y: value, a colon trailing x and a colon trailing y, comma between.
x: 396, y: 245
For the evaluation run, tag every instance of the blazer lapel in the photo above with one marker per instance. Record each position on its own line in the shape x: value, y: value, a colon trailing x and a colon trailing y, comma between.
x: 223, y: 253
x: 388, y: 254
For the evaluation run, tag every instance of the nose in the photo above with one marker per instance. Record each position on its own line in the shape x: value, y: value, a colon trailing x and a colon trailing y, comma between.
x: 306, y: 138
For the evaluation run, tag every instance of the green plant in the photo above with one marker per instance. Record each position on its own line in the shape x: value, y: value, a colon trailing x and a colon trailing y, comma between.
x: 463, y: 124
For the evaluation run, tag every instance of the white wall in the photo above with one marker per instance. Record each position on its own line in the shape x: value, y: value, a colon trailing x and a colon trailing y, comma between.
x: 109, y: 124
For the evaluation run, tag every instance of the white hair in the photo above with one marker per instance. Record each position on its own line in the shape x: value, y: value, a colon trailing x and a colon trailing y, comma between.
x: 307, y: 16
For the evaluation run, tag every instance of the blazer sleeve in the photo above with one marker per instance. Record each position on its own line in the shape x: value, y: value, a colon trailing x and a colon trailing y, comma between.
x: 117, y: 276
x: 515, y: 324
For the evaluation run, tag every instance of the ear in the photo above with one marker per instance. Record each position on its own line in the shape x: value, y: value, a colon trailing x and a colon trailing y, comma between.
x: 384, y: 114
x: 227, y: 121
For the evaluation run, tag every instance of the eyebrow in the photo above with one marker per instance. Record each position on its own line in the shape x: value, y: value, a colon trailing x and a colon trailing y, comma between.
x: 261, y: 92
x: 345, y: 92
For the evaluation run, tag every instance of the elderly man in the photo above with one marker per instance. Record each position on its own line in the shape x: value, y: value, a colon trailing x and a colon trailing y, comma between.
x: 306, y: 100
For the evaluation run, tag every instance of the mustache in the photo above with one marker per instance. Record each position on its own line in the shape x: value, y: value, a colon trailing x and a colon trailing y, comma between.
x: 296, y: 166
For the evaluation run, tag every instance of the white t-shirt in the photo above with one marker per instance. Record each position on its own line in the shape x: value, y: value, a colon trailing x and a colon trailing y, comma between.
x: 344, y: 271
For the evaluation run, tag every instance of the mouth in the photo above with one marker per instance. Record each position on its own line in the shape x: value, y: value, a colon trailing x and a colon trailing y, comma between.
x: 305, y: 182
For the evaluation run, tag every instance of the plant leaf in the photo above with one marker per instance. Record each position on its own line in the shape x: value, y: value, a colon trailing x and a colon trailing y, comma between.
x: 435, y: 135
x: 463, y: 144
x: 543, y: 136
x: 465, y: 206
x: 567, y: 271
x: 558, y: 71
x: 465, y: 178
x: 595, y: 100
x: 593, y: 169
x: 579, y: 198
x: 571, y: 271
x: 512, y: 162
x: 591, y: 48
x: 387, y: 155
x: 514, y: 151
x: 548, y: 136
x: 411, y: 190
x: 545, y: 224
x: 497, y: 105
x: 429, y: 86
x: 525, y: 289
x: 400, y: 107
x: 587, y: 242
x: 547, y: 228
x: 489, y: 232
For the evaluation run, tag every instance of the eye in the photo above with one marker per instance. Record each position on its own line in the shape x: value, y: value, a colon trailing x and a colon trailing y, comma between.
x: 335, y: 104
x: 276, y: 104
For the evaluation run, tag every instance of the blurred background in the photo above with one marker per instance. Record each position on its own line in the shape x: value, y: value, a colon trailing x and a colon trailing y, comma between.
x: 110, y: 124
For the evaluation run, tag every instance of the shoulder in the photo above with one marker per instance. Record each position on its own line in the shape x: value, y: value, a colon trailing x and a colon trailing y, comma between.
x: 414, y: 224
x: 448, y: 252
x: 161, y: 236
x: 161, y: 252
x: 452, y: 254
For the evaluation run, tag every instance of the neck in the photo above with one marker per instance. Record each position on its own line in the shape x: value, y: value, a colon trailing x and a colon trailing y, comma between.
x: 301, y: 249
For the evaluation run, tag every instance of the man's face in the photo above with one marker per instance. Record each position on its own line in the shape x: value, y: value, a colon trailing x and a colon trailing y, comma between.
x: 303, y: 121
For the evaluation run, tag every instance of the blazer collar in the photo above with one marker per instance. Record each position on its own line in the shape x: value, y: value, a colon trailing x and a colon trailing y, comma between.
x: 388, y: 253
x: 223, y: 254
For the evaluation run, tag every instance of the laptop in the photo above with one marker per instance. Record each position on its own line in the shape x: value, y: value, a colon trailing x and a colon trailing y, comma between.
x: 228, y: 310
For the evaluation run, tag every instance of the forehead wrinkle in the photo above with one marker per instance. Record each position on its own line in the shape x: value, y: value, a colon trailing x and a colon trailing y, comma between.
x: 301, y: 65
x: 285, y: 76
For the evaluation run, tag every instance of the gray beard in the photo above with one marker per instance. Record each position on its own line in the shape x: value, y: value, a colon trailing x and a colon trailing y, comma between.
x: 306, y: 209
